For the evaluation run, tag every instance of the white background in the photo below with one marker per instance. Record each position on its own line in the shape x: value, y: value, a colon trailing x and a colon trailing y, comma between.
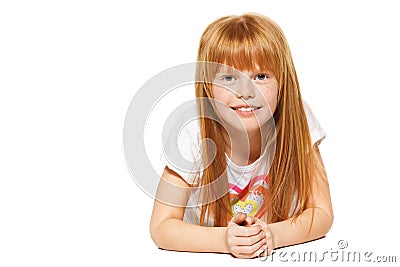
x: 69, y: 69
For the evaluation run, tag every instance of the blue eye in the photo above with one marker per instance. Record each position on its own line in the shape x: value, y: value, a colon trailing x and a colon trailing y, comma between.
x: 261, y: 77
x: 228, y: 78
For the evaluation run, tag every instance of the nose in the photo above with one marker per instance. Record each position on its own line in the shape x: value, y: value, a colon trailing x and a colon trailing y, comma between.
x: 245, y: 89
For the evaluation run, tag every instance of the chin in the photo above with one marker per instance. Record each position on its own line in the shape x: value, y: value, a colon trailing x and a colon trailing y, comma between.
x: 248, y: 127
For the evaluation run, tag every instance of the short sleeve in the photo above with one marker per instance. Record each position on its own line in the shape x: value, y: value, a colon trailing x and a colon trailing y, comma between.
x: 317, y: 133
x: 183, y: 156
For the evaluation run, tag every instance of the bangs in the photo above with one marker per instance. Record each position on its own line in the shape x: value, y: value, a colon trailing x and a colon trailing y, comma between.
x: 245, y: 46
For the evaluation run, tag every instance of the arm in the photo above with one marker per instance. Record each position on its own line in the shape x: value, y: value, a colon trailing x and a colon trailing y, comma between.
x: 169, y: 231
x: 167, y: 228
x: 290, y: 232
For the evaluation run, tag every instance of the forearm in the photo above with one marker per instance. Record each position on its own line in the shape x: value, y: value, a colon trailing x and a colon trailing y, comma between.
x: 290, y: 232
x: 174, y: 234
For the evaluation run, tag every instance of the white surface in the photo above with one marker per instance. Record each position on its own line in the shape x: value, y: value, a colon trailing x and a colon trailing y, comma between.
x: 68, y: 71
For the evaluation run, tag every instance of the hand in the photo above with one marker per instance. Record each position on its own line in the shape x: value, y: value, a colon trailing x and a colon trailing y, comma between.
x: 268, y: 235
x: 245, y: 238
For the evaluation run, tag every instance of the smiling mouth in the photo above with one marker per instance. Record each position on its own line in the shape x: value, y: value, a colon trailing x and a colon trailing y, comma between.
x: 245, y: 108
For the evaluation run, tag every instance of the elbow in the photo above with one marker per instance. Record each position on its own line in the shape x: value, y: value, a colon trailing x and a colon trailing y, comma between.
x: 325, y: 219
x: 330, y: 221
x: 155, y: 236
x: 158, y: 236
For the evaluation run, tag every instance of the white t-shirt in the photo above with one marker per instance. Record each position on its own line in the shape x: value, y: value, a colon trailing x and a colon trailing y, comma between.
x: 247, y: 184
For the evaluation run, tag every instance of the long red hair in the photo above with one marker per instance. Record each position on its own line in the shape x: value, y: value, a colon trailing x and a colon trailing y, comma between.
x: 243, y: 42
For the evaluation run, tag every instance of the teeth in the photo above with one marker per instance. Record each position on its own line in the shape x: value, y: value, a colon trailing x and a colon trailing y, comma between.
x: 249, y: 109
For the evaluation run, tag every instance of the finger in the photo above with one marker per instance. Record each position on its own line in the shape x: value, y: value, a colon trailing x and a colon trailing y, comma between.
x: 258, y: 253
x: 268, y: 234
x: 248, y: 241
x: 264, y: 251
x: 269, y: 251
x: 250, y: 220
x: 253, y: 250
x: 247, y: 231
x: 270, y: 243
x: 239, y: 218
x: 261, y: 222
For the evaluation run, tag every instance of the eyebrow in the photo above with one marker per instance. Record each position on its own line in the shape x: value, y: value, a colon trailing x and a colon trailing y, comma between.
x: 238, y: 72
x: 230, y: 71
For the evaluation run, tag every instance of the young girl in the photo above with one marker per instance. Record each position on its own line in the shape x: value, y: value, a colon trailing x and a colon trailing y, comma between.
x: 262, y: 185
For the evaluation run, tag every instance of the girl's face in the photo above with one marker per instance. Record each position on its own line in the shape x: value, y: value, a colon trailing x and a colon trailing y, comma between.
x: 245, y: 100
